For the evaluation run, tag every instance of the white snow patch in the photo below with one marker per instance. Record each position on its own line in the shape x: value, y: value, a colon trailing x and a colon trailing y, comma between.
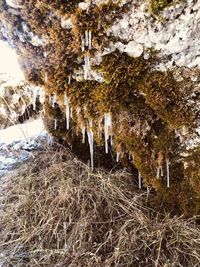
x: 21, y: 132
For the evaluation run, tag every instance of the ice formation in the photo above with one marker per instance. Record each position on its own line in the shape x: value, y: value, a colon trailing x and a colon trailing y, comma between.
x: 66, y: 103
x: 83, y: 130
x: 82, y: 44
x: 117, y: 157
x: 50, y: 140
x: 139, y: 180
x: 159, y: 172
x: 54, y: 100
x: 55, y: 124
x: 91, y: 143
x: 86, y: 39
x: 69, y: 79
x: 167, y: 171
x: 90, y: 40
x: 107, y: 129
x: 86, y: 67
x: 35, y: 92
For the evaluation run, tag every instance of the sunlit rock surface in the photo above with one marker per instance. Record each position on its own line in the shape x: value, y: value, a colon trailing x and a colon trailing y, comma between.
x: 120, y: 78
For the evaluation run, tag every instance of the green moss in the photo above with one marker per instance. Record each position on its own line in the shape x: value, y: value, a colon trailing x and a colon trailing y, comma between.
x: 156, y: 6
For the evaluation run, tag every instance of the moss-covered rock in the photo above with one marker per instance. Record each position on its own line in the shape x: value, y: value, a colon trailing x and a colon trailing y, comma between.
x: 104, y: 98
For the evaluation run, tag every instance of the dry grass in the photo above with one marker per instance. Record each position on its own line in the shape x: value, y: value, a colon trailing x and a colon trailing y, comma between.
x: 60, y: 214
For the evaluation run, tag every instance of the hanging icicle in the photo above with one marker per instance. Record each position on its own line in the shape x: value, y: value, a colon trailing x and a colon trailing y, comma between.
x: 118, y: 155
x: 90, y: 40
x: 35, y: 92
x: 86, y: 39
x: 67, y: 115
x: 42, y: 96
x: 50, y: 140
x: 139, y: 180
x: 67, y: 110
x: 158, y: 172
x: 148, y: 190
x: 86, y: 67
x: 82, y: 44
x: 83, y: 130
x: 107, y: 129
x: 91, y: 143
x: 55, y: 124
x: 161, y: 171
x: 69, y: 79
x: 54, y: 99
x: 167, y: 170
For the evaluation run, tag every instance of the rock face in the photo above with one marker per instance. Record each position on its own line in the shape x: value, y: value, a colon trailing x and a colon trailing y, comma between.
x: 123, y: 75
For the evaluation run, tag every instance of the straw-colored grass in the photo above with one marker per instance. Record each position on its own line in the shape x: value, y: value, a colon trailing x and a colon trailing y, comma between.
x: 57, y: 213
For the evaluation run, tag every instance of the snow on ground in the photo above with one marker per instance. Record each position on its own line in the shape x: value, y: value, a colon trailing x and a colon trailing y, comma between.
x: 17, y: 142
x: 22, y: 132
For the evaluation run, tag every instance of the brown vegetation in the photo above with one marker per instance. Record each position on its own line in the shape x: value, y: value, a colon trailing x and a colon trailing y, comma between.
x: 57, y: 213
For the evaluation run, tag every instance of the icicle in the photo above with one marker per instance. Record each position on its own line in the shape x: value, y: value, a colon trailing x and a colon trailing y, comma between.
x: 107, y: 128
x: 139, y: 180
x: 161, y: 171
x: 86, y: 66
x: 117, y: 158
x: 111, y: 140
x: 54, y: 100
x: 167, y: 168
x: 42, y: 96
x: 34, y: 99
x: 83, y: 134
x: 69, y: 79
x: 50, y: 140
x: 66, y: 103
x: 148, y: 190
x: 158, y: 173
x: 67, y: 116
x: 91, y: 143
x: 86, y: 39
x: 90, y: 40
x: 55, y: 124
x: 83, y: 44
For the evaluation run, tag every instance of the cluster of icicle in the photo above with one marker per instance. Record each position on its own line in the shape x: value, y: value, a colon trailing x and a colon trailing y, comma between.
x: 107, y: 136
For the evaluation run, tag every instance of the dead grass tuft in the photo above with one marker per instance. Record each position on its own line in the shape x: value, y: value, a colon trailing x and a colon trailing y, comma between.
x: 57, y: 213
